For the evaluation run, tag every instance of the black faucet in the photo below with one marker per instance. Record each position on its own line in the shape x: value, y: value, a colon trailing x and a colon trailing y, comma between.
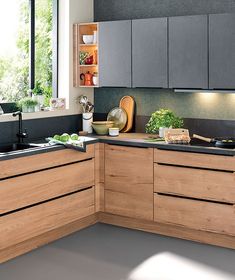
x: 20, y: 135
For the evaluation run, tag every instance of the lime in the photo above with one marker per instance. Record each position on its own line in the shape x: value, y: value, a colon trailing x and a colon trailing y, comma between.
x: 64, y: 137
x: 56, y: 137
x: 74, y: 137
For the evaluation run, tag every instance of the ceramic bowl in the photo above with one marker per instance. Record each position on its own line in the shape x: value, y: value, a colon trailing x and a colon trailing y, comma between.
x: 88, y: 39
x: 102, y: 127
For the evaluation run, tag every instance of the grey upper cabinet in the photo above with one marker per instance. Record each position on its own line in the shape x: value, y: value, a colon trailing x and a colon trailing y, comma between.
x: 188, y: 52
x: 115, y: 54
x: 222, y: 51
x: 149, y: 53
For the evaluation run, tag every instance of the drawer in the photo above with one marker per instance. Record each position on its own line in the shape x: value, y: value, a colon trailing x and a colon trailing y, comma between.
x: 195, y: 214
x: 196, y: 183
x: 129, y: 181
x: 28, y: 164
x: 29, y: 189
x: 195, y: 160
x: 23, y: 225
x: 137, y: 205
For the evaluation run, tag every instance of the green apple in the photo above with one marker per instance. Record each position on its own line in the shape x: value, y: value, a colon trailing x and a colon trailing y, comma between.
x: 74, y: 137
x: 64, y: 137
x: 56, y: 137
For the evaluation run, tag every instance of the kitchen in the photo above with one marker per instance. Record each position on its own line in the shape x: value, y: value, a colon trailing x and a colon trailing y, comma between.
x: 180, y: 197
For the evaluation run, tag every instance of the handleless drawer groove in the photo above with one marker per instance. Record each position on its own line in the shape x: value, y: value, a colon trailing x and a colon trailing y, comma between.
x: 195, y: 214
x: 28, y: 164
x: 195, y: 183
x: 31, y: 222
x: 22, y: 191
x: 204, y: 161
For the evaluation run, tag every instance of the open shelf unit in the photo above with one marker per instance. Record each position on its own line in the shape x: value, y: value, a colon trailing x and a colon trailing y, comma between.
x: 91, y: 49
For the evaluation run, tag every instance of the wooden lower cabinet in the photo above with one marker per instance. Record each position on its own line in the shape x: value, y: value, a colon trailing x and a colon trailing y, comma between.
x: 44, y: 197
x: 179, y: 194
x: 209, y: 161
x: 195, y: 214
x: 23, y: 165
x: 34, y: 221
x: 33, y: 188
x: 129, y: 181
x: 195, y: 183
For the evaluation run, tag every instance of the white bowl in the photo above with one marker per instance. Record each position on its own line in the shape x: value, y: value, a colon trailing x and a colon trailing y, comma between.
x: 88, y: 39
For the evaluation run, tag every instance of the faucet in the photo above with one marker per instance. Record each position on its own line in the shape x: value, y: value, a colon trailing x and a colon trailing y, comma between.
x: 20, y: 135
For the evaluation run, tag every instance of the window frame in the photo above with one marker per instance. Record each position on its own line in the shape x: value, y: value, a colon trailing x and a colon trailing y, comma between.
x: 55, y: 46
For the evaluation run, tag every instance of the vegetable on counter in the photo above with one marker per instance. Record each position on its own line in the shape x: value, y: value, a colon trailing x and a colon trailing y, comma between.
x: 163, y: 118
x: 65, y: 137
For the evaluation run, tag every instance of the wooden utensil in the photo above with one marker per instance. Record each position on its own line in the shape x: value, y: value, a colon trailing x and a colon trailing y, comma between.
x: 206, y: 139
x: 128, y: 104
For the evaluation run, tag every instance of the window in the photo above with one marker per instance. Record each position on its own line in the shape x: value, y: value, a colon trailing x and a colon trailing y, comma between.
x: 28, y: 49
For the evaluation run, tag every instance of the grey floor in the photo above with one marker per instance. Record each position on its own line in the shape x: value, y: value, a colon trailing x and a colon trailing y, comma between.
x: 105, y: 252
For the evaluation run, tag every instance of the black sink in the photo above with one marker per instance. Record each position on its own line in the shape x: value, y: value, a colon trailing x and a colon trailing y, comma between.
x: 16, y: 147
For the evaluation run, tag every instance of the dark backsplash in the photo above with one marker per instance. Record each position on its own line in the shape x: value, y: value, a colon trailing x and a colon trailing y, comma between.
x: 203, y: 127
x: 40, y: 128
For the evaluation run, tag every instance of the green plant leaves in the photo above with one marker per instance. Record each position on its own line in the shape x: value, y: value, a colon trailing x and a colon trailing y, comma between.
x: 163, y: 118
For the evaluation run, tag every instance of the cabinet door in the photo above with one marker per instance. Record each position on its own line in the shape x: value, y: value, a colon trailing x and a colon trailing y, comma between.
x: 115, y: 54
x: 149, y: 53
x: 129, y: 181
x: 222, y: 51
x: 188, y: 52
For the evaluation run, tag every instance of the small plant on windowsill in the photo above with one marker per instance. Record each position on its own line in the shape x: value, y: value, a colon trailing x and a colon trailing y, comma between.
x: 162, y: 120
x: 28, y: 105
x: 39, y: 93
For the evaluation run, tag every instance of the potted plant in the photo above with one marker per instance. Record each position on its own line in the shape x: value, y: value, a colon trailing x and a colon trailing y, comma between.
x: 28, y: 105
x: 38, y: 93
x: 162, y: 120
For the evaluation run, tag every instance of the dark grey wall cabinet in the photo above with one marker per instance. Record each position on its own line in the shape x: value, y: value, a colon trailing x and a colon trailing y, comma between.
x: 222, y: 51
x: 115, y: 54
x: 149, y: 53
x: 188, y: 52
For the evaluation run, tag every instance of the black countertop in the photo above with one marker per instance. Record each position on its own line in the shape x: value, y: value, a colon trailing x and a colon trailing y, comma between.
x: 141, y: 140
x: 43, y: 147
x: 124, y: 139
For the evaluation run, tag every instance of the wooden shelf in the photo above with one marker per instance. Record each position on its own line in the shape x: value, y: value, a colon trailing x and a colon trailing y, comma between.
x: 88, y: 86
x: 88, y: 65
x: 79, y: 46
x: 88, y: 45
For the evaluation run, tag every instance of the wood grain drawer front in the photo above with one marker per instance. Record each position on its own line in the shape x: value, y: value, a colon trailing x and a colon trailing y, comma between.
x: 28, y: 164
x: 129, y: 181
x: 34, y: 221
x: 26, y: 190
x: 195, y: 160
x: 195, y: 214
x: 196, y: 183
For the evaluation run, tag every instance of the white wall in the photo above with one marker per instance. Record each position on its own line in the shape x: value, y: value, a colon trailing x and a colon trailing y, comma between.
x: 74, y: 11
x: 70, y: 11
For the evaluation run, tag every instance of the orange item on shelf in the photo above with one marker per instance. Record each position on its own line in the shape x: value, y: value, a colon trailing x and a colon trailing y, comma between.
x: 87, y: 78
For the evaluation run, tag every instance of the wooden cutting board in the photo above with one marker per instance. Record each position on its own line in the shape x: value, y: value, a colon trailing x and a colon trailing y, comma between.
x: 128, y: 104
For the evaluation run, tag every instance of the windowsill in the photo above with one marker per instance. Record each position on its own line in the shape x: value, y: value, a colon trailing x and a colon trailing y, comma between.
x: 37, y: 115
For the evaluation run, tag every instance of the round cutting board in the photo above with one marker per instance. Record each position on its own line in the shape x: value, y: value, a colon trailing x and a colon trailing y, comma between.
x: 118, y: 116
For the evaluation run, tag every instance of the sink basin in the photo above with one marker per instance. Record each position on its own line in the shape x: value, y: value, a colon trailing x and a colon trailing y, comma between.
x: 17, y: 147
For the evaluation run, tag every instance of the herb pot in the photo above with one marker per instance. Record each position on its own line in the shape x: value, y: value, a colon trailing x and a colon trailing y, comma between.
x: 162, y: 131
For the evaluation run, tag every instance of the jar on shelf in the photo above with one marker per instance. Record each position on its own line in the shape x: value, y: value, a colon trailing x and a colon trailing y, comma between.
x: 95, y: 79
